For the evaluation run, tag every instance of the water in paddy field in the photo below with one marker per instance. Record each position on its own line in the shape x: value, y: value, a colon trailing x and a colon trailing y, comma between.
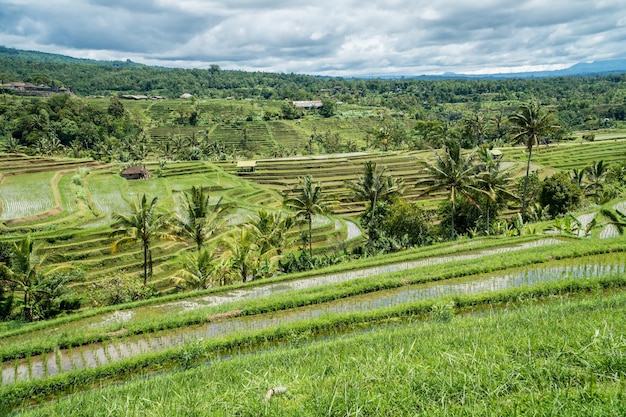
x: 266, y: 290
x: 97, y: 355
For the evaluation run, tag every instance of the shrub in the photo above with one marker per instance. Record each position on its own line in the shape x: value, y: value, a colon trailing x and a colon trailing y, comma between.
x: 560, y: 194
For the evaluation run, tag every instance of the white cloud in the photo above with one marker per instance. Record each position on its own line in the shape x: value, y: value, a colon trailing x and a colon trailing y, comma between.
x: 346, y: 37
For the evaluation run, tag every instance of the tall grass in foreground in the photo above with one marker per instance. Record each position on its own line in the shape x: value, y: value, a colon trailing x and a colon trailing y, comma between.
x: 566, y: 358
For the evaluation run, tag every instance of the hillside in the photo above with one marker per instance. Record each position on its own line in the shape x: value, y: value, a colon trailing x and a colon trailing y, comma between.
x: 232, y: 253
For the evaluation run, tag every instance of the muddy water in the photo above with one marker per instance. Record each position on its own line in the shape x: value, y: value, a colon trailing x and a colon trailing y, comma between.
x: 92, y: 356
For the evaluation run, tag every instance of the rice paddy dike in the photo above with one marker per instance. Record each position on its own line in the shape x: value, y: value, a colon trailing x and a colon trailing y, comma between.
x: 67, y: 206
x: 49, y: 358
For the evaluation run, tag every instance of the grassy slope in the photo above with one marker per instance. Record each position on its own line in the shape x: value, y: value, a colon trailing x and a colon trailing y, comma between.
x: 561, y: 358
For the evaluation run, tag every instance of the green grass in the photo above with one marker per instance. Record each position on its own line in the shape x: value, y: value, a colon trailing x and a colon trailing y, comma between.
x: 561, y: 358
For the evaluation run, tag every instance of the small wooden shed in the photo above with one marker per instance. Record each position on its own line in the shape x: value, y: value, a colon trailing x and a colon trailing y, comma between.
x: 137, y: 172
x: 246, y: 166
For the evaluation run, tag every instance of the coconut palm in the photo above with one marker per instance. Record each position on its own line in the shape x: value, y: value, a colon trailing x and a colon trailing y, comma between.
x: 27, y: 275
x: 200, y: 219
x: 145, y: 223
x: 577, y: 176
x: 243, y: 252
x: 531, y: 124
x: 453, y: 172
x: 596, y: 176
x: 494, y: 181
x: 198, y: 272
x: 374, y: 187
x: 271, y: 230
x: 308, y: 200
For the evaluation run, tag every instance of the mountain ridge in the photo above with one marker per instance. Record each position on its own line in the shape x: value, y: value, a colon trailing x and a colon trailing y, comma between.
x: 600, y: 67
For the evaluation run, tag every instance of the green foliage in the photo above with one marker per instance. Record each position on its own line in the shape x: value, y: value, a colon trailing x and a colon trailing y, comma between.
x: 40, y: 289
x: 144, y: 224
x: 560, y: 194
x: 328, y: 108
x: 119, y: 289
x: 375, y: 188
x: 307, y: 199
x: 532, y: 125
x: 442, y: 311
x: 410, y: 220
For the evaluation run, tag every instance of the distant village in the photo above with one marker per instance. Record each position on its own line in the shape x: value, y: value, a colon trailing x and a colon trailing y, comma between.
x: 29, y: 89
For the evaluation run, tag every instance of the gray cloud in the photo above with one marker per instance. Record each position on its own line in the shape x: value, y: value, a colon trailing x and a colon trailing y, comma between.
x: 324, y: 37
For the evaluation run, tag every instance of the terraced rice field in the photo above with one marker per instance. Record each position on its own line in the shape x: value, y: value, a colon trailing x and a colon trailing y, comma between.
x: 62, y: 360
x: 26, y: 196
x: 63, y: 213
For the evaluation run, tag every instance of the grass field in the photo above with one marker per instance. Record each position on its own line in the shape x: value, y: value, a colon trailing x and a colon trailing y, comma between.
x: 565, y: 358
x: 489, y: 326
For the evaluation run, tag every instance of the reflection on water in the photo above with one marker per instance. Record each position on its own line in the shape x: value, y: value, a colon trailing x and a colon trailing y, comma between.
x: 91, y: 356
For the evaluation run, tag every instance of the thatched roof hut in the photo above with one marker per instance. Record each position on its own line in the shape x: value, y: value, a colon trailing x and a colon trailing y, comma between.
x: 137, y: 172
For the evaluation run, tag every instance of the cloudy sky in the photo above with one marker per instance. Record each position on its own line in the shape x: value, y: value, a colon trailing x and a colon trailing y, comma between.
x: 327, y: 37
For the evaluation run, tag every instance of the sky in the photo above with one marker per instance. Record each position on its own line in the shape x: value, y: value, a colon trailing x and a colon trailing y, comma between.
x: 324, y: 37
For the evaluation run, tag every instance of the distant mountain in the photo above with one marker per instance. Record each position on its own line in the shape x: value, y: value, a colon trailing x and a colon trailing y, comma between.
x: 581, y: 69
x: 36, y: 56
x: 610, y: 66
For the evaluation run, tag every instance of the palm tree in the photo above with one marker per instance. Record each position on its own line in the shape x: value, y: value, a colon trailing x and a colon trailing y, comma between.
x: 374, y: 187
x: 530, y: 124
x: 145, y: 223
x: 27, y: 275
x: 453, y: 172
x: 596, y: 175
x: 270, y: 229
x: 243, y: 252
x: 200, y: 219
x: 198, y: 270
x: 308, y: 200
x: 493, y: 181
x: 577, y: 176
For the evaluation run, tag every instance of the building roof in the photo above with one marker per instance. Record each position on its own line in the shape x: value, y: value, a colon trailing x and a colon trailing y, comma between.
x: 246, y: 164
x: 135, y: 169
x: 307, y: 104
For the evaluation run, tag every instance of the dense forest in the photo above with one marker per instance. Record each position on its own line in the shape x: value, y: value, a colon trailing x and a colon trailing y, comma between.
x: 391, y: 113
x: 580, y: 101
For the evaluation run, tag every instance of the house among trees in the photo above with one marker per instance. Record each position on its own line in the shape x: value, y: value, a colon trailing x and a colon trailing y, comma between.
x: 307, y: 105
x: 136, y: 172
x: 29, y: 89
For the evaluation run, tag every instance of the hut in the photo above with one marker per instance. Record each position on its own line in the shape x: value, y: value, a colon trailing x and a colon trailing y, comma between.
x: 307, y: 105
x: 137, y: 172
x: 246, y: 166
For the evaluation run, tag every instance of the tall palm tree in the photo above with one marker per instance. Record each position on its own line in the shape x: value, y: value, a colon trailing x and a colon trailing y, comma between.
x: 200, y: 219
x: 308, y: 200
x: 374, y: 187
x: 531, y: 124
x: 494, y: 181
x: 453, y: 172
x: 144, y: 224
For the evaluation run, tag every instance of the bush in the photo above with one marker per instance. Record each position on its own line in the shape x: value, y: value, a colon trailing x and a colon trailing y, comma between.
x: 560, y: 194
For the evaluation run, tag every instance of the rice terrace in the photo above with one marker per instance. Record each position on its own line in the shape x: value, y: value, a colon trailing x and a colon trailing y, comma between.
x: 395, y: 247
